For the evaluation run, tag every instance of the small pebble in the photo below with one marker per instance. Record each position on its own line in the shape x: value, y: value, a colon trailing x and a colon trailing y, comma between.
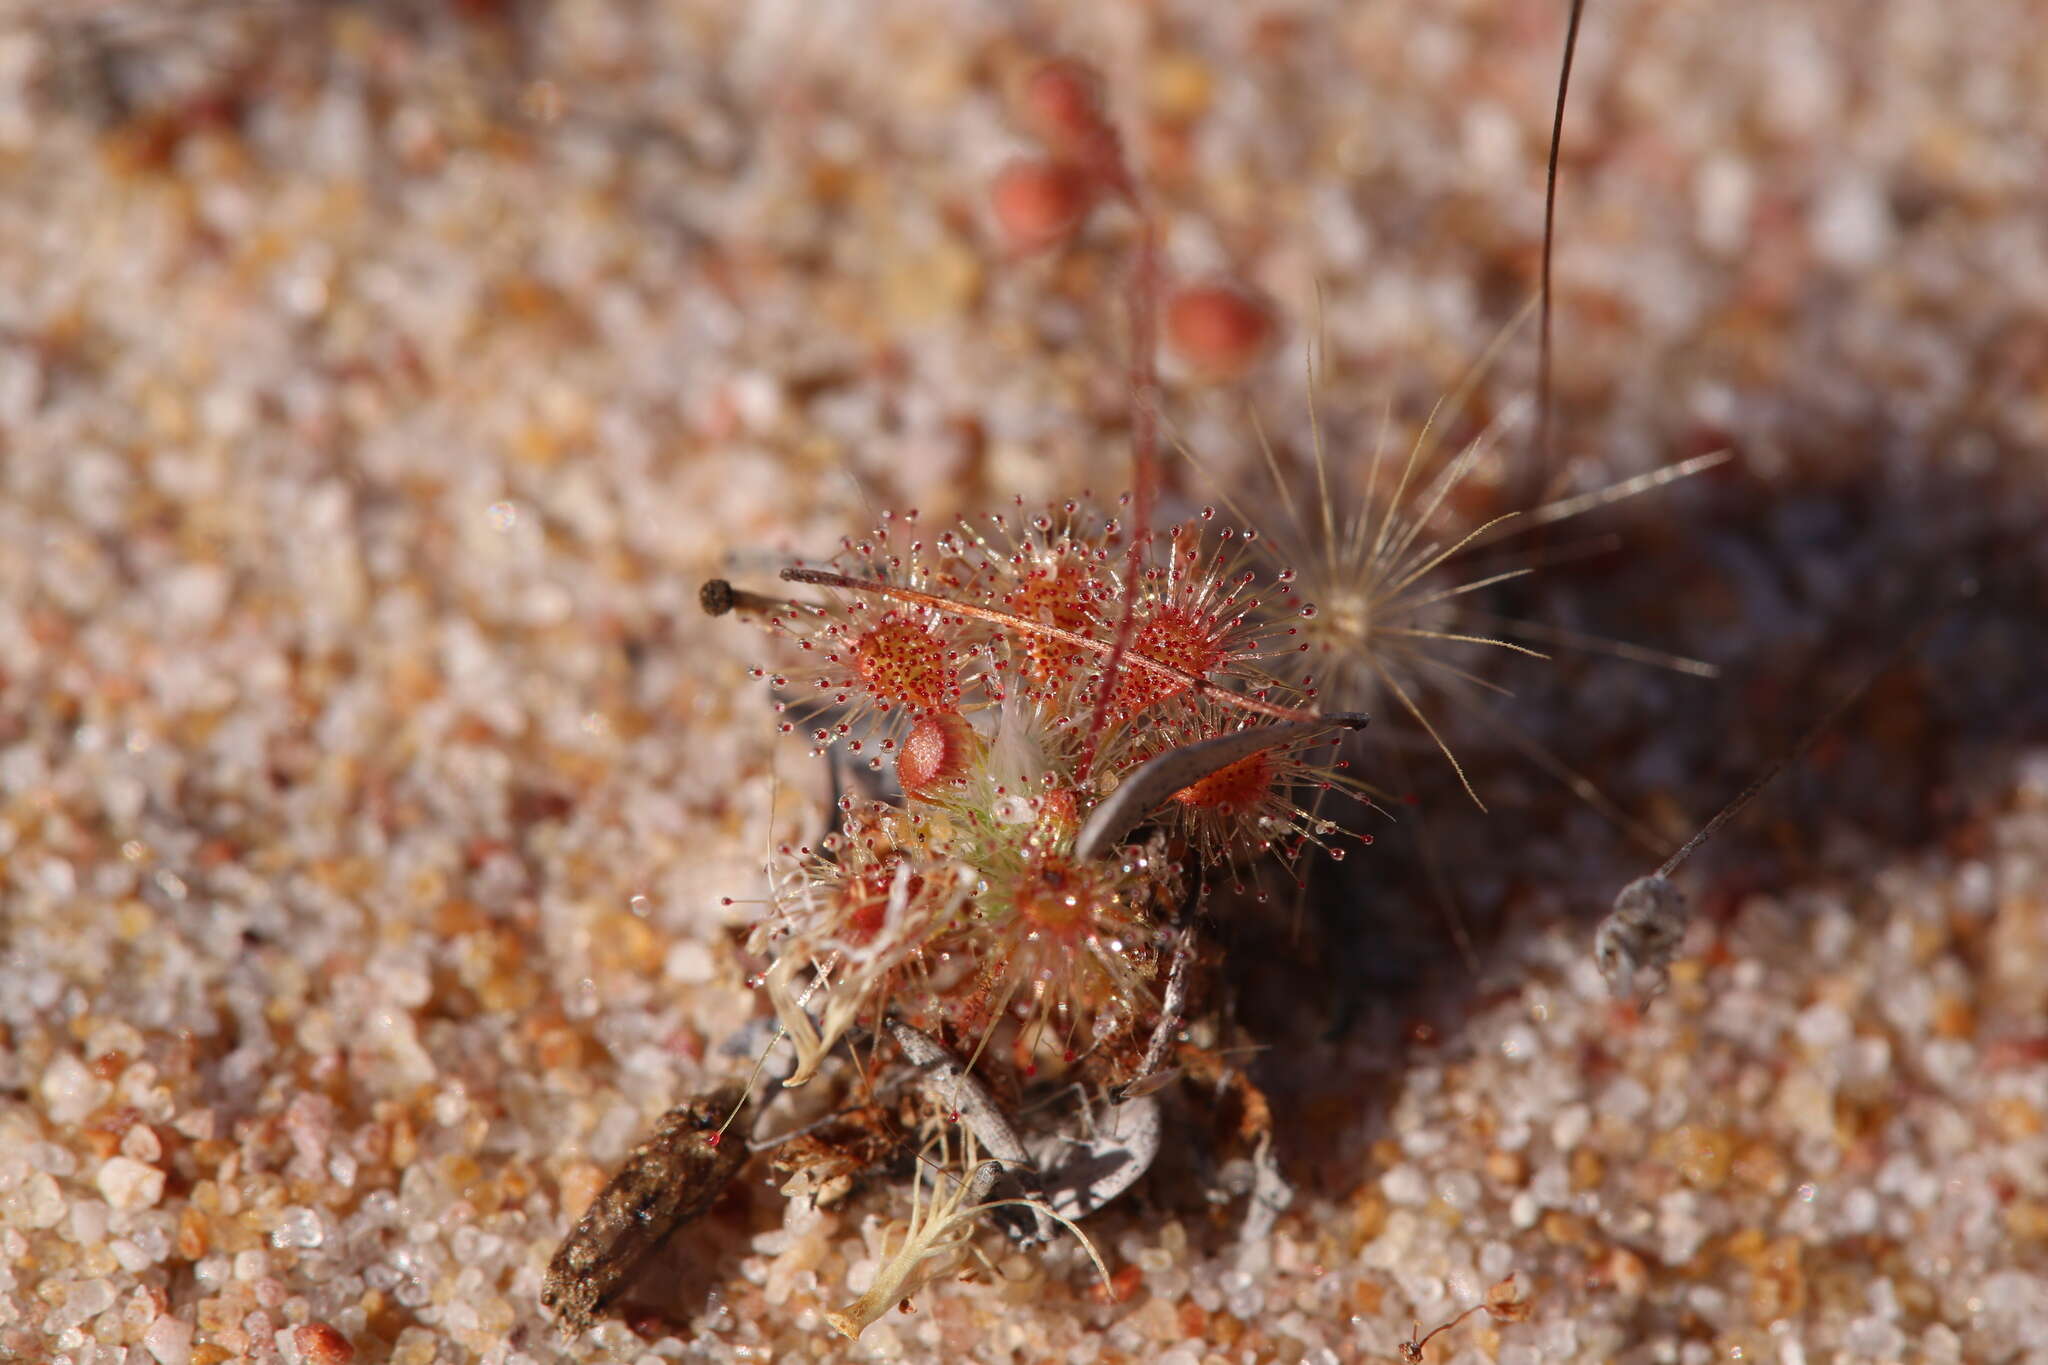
x: 129, y: 1184
x: 320, y: 1344
x: 169, y: 1341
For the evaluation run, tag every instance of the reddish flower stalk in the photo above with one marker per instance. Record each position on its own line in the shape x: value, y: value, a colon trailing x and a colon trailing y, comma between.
x: 1062, y: 101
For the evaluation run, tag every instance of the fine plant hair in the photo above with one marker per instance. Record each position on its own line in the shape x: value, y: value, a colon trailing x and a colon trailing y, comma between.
x: 1394, y: 580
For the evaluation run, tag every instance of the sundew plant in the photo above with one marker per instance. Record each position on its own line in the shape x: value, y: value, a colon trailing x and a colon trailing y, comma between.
x: 981, y: 670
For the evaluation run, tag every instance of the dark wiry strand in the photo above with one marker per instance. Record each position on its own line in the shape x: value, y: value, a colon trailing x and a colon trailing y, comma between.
x: 1543, y: 402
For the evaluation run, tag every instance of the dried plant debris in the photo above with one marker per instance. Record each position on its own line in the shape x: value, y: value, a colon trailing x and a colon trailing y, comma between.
x: 945, y: 1205
x: 958, y: 1094
x: 822, y: 1163
x: 1503, y: 1303
x: 1115, y: 1147
x: 1032, y: 1185
x: 665, y: 1183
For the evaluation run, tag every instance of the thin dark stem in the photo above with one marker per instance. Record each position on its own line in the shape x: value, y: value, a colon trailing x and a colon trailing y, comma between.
x: 1543, y: 402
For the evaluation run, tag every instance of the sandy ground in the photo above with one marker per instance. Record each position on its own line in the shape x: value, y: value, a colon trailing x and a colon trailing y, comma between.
x: 378, y: 383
